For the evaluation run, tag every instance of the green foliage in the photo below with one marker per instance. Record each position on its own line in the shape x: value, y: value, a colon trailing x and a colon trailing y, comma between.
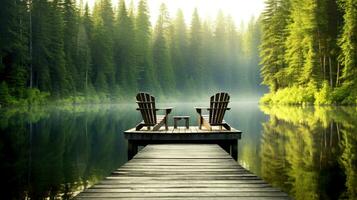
x: 294, y: 159
x: 302, y: 46
x: 324, y: 96
x: 272, y: 49
x: 5, y: 97
x: 295, y: 95
x: 80, y: 55
x: 124, y: 51
x: 36, y: 97
x: 160, y: 52
x: 347, y: 40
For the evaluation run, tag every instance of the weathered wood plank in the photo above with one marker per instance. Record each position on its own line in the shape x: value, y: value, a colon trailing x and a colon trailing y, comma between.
x: 189, y: 198
x: 107, y: 194
x: 182, y: 172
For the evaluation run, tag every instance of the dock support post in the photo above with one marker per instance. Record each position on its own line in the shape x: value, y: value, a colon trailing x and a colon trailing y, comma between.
x: 234, y: 150
x: 132, y: 149
x: 230, y: 147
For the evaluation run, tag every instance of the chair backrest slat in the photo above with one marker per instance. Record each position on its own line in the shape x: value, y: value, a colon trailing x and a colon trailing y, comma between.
x: 218, y: 106
x: 146, y: 104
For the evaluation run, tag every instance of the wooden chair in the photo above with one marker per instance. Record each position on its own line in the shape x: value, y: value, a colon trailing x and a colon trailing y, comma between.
x: 147, y: 108
x: 217, y: 109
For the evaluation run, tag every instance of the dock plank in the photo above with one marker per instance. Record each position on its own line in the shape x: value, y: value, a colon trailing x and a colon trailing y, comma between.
x: 182, y: 171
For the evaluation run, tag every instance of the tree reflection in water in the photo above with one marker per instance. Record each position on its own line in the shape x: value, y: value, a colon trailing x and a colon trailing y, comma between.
x: 310, y: 152
x: 56, y: 152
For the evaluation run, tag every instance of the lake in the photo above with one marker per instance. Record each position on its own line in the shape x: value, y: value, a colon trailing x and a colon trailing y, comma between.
x: 56, y: 152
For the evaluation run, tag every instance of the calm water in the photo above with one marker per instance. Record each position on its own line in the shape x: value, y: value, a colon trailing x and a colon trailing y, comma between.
x: 311, y: 153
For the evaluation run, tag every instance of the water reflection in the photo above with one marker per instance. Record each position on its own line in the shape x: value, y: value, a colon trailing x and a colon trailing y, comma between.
x: 311, y: 152
x: 56, y: 152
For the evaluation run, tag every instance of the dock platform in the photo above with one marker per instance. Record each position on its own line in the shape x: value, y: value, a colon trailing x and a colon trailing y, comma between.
x: 182, y: 171
x: 227, y: 139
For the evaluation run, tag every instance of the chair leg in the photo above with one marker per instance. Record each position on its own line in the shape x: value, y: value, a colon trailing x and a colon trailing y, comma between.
x: 175, y: 123
x: 166, y: 126
x: 139, y: 126
x: 200, y: 121
x: 226, y: 126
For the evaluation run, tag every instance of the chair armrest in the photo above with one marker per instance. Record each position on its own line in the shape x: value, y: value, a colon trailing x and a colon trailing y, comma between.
x: 218, y: 108
x: 167, y: 110
x: 146, y: 109
x: 199, y: 109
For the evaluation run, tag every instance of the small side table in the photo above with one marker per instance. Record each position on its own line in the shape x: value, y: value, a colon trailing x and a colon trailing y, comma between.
x: 186, y: 118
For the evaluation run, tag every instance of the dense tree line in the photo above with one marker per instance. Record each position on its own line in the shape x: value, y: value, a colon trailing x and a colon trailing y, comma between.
x: 309, y: 51
x: 63, y: 48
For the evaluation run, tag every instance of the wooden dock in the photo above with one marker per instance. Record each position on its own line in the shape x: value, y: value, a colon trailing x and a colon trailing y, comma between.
x: 227, y: 139
x: 182, y: 171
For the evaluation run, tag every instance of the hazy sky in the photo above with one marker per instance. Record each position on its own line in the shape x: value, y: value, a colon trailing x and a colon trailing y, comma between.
x: 240, y: 10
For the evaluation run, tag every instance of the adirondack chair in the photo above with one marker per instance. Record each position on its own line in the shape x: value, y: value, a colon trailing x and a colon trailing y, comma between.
x: 147, y: 108
x: 217, y: 109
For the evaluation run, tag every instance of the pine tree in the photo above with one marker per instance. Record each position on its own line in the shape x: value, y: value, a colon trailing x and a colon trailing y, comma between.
x: 40, y: 41
x: 348, y: 41
x: 70, y: 33
x: 179, y: 49
x: 275, y: 20
x: 56, y: 56
x: 302, y: 43
x: 161, y: 57
x: 14, y: 56
x: 252, y: 55
x: 83, y: 58
x: 102, y: 49
x: 220, y: 51
x: 195, y: 61
x: 146, y: 81
x: 124, y: 50
x: 208, y: 55
x: 233, y: 54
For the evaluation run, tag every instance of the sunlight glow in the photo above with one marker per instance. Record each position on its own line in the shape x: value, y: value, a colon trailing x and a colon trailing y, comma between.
x: 239, y: 10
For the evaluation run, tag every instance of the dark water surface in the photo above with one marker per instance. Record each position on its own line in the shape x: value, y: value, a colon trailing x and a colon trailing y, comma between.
x: 56, y: 152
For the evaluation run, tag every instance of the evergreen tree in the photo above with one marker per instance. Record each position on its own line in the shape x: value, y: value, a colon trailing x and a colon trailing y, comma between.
x: 56, y: 56
x: 252, y: 56
x: 70, y: 33
x: 275, y: 19
x: 221, y: 73
x: 302, y: 44
x: 14, y: 55
x: 102, y: 49
x: 142, y: 49
x: 124, y: 50
x: 348, y: 41
x: 5, y: 96
x: 40, y: 41
x: 195, y: 57
x: 234, y: 54
x: 208, y: 55
x: 83, y: 52
x: 160, y: 52
x: 179, y: 50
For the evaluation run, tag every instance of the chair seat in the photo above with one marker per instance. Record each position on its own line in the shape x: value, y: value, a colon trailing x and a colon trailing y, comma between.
x: 159, y: 117
x: 148, y: 110
x: 217, y: 109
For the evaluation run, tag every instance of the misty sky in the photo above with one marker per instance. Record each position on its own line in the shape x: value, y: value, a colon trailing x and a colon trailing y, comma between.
x: 240, y: 10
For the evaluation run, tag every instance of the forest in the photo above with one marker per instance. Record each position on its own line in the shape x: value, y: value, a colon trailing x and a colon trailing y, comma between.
x: 65, y: 51
x: 308, y: 51
x: 303, y: 51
